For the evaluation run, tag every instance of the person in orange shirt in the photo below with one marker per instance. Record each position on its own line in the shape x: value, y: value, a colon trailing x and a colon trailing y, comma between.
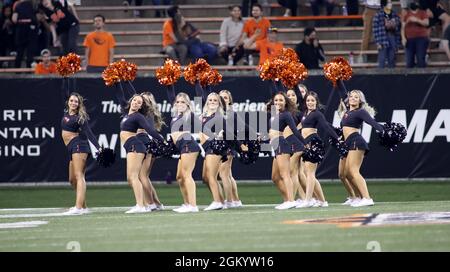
x: 172, y: 40
x: 46, y: 66
x: 99, y: 47
x: 255, y: 29
x: 268, y: 48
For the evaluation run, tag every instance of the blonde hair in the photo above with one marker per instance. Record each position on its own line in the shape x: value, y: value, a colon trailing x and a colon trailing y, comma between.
x: 230, y: 97
x: 81, y: 111
x: 362, y: 104
x: 186, y: 99
x: 153, y: 109
x: 206, y: 107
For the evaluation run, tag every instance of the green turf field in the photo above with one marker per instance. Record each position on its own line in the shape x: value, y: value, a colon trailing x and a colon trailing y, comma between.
x: 256, y: 227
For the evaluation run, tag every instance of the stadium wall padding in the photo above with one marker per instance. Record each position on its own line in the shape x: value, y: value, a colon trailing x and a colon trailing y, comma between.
x: 31, y: 148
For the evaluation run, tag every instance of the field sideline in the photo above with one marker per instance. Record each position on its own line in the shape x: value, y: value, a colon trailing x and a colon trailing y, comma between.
x: 255, y: 227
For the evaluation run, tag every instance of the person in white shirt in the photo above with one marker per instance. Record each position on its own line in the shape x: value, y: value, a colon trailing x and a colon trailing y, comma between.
x: 230, y: 32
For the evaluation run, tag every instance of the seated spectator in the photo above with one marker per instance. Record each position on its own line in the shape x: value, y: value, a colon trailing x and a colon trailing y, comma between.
x: 247, y: 6
x: 230, y: 32
x: 309, y: 51
x: 173, y: 45
x: 160, y: 13
x: 386, y: 31
x: 46, y: 66
x: 190, y: 36
x: 329, y: 4
x: 255, y: 28
x: 99, y: 44
x: 138, y: 3
x: 415, y: 35
x: 6, y: 31
x: 290, y: 5
x: 268, y: 48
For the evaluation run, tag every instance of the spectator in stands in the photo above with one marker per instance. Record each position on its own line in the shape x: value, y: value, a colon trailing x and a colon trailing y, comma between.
x: 386, y: 30
x: 26, y: 31
x: 247, y: 6
x: 190, y: 36
x: 352, y: 9
x: 230, y: 33
x: 269, y: 47
x: 309, y: 51
x: 445, y: 42
x: 415, y: 35
x: 371, y: 8
x: 159, y: 13
x: 6, y: 31
x: 138, y: 3
x: 329, y: 4
x: 172, y: 41
x: 99, y: 44
x: 64, y: 17
x: 291, y: 7
x: 43, y: 32
x: 255, y: 29
x: 46, y: 66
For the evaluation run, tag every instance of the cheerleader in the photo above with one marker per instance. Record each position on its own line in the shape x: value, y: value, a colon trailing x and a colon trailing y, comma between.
x: 75, y: 134
x: 150, y: 196
x: 311, y: 120
x: 281, y: 117
x: 353, y: 116
x: 135, y: 112
x: 183, y: 123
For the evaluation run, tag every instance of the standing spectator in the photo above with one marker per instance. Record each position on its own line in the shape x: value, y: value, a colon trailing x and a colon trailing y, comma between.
x: 190, y: 36
x: 352, y: 9
x: 6, y: 31
x: 138, y: 3
x: 371, y: 8
x: 268, y: 48
x: 386, y: 30
x: 329, y: 4
x: 26, y: 31
x: 247, y: 6
x: 415, y: 35
x: 291, y: 7
x: 159, y: 13
x: 230, y: 32
x: 46, y: 66
x: 309, y: 51
x: 64, y: 16
x: 255, y: 29
x: 99, y: 47
x: 172, y: 42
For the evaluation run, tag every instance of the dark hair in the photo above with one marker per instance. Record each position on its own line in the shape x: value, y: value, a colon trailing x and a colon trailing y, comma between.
x: 172, y: 11
x: 230, y: 8
x: 316, y: 97
x: 290, y: 106
x: 144, y: 110
x: 100, y: 16
x: 383, y: 3
x: 257, y: 5
x: 308, y: 31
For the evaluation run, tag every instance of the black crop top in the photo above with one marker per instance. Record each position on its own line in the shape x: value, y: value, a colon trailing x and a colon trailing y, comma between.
x: 314, y: 119
x: 283, y: 119
x: 355, y: 119
x: 132, y: 122
x: 72, y: 122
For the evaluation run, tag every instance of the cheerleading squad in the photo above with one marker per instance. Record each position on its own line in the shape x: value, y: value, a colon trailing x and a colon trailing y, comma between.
x: 295, y: 118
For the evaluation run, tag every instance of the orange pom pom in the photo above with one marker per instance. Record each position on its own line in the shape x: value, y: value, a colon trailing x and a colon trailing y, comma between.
x: 68, y: 65
x: 169, y: 73
x: 119, y: 71
x: 197, y: 71
x: 214, y: 77
x: 271, y: 69
x: 337, y: 69
x: 293, y: 73
x: 288, y: 54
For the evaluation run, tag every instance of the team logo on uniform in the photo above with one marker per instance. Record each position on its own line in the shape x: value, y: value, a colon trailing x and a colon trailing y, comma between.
x: 66, y: 119
x: 380, y: 219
